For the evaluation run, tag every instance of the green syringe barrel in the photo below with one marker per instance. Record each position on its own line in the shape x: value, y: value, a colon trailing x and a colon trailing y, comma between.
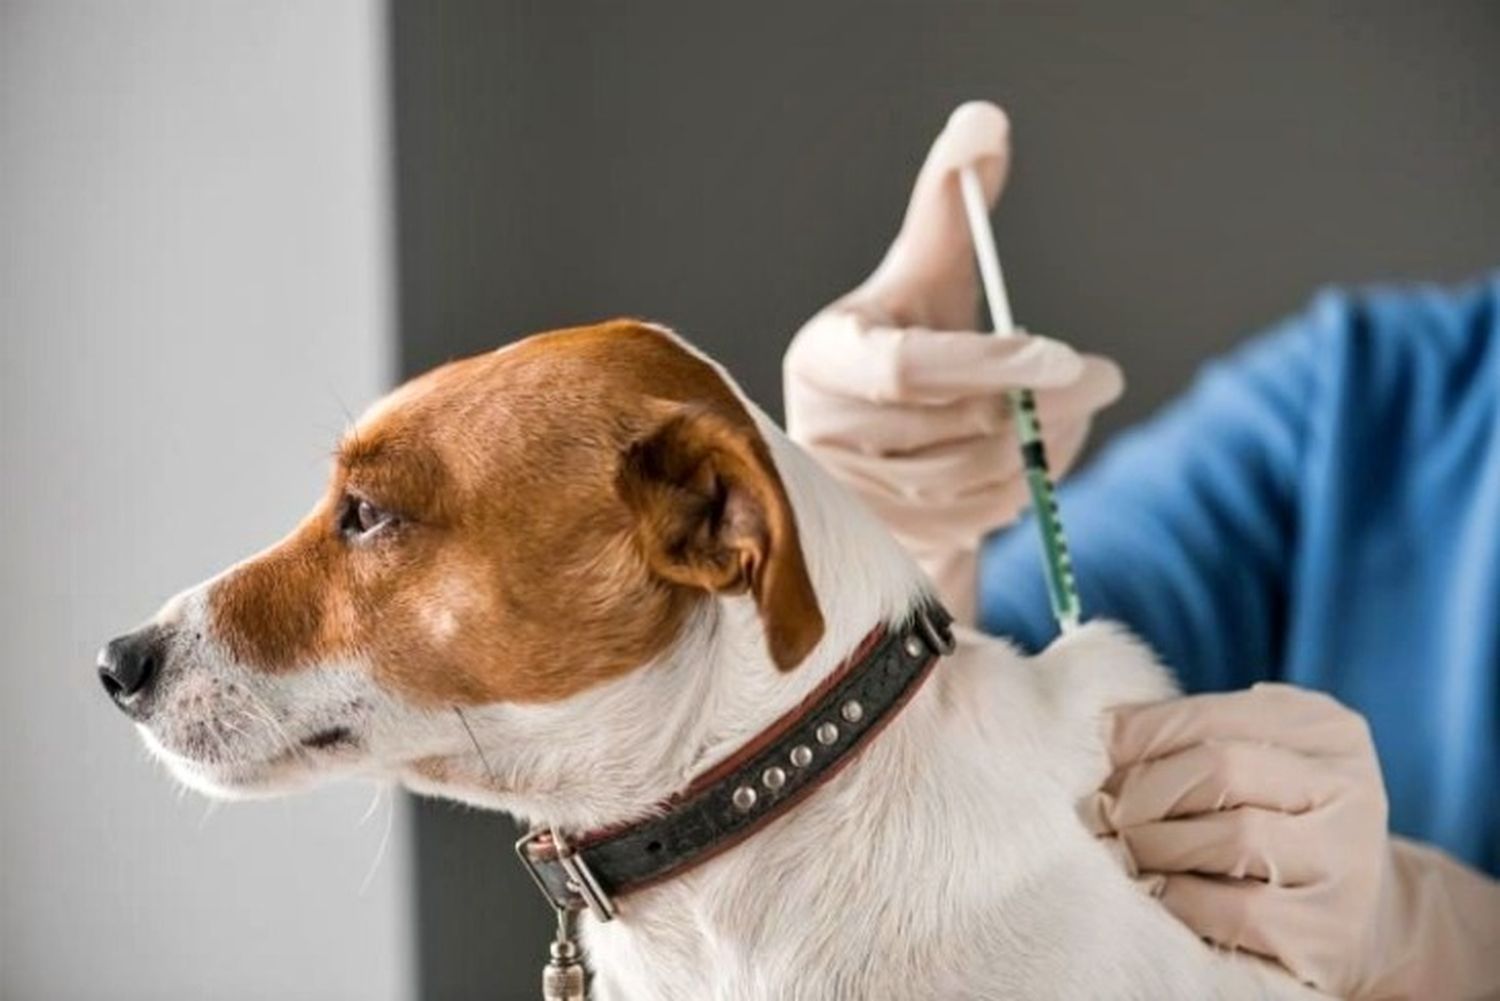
x: 1062, y: 589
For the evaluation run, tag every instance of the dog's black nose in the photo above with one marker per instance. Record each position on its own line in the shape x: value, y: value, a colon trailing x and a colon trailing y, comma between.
x: 129, y: 664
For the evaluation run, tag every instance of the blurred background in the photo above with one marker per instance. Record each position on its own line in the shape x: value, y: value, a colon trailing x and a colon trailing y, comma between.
x: 226, y: 226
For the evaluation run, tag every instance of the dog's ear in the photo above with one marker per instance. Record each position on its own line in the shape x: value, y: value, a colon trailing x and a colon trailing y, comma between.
x: 711, y: 513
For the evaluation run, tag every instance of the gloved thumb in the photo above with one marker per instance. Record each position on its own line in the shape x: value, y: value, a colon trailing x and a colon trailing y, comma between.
x: 977, y: 135
x: 927, y: 278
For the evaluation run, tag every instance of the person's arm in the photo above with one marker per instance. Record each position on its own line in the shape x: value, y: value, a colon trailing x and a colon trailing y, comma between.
x: 1184, y: 528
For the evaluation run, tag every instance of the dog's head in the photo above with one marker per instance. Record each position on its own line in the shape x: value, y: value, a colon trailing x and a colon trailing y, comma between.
x: 508, y: 530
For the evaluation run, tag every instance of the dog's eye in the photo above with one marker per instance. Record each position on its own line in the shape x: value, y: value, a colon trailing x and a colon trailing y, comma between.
x: 361, y: 518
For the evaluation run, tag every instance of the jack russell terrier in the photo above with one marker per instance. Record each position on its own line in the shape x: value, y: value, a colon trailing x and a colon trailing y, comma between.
x: 583, y: 579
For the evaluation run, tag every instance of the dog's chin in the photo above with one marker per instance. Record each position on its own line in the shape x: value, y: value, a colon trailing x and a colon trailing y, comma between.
x: 237, y: 780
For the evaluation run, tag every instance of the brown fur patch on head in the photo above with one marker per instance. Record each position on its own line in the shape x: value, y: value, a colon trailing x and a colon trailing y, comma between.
x: 559, y: 506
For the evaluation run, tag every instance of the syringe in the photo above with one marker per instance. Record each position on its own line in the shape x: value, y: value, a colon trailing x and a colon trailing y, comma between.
x: 1062, y: 590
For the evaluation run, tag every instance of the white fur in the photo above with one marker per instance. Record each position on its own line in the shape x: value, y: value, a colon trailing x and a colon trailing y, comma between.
x: 945, y: 862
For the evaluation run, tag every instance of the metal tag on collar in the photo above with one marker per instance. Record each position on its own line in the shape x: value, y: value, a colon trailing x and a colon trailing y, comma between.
x: 564, y: 978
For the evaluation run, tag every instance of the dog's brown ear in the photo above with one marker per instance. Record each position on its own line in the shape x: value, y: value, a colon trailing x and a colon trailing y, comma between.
x: 711, y: 513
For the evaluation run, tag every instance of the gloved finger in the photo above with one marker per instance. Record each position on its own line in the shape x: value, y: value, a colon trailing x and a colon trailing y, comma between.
x: 955, y: 522
x: 1099, y: 384
x: 1150, y: 883
x: 1064, y: 438
x: 840, y: 353
x: 938, y: 474
x: 1235, y: 914
x: 820, y: 418
x: 1064, y: 443
x: 1120, y: 853
x: 1292, y: 717
x: 1094, y: 810
x: 1217, y: 775
x: 1247, y: 842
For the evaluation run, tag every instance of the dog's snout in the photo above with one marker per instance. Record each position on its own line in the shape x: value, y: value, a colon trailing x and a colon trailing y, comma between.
x: 130, y: 664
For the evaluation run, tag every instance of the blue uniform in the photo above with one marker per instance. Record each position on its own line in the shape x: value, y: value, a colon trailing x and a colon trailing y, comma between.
x: 1322, y: 508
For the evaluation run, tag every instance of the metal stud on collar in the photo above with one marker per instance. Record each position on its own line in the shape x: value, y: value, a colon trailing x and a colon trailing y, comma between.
x: 744, y: 799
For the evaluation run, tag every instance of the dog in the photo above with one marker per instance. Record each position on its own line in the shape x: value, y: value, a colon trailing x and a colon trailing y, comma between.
x: 567, y: 578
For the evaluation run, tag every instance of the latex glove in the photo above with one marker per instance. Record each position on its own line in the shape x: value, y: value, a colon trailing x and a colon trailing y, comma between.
x: 891, y: 389
x: 1259, y: 819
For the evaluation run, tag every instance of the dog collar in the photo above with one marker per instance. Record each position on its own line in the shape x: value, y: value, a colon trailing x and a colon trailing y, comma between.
x: 761, y: 782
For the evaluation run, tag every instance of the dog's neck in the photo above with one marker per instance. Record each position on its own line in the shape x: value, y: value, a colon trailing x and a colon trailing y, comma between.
x: 612, y: 754
x: 862, y: 578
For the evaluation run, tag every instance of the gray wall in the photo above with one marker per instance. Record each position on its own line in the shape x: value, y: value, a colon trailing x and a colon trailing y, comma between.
x: 193, y: 287
x: 1186, y: 173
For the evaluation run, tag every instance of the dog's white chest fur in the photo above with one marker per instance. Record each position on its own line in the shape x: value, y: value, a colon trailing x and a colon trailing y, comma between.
x: 946, y: 862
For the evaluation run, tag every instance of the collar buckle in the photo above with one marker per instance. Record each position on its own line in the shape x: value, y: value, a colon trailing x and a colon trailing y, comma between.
x: 581, y: 881
x: 937, y: 629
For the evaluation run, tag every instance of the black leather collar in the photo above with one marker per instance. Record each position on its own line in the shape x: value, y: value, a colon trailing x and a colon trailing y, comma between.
x: 761, y: 782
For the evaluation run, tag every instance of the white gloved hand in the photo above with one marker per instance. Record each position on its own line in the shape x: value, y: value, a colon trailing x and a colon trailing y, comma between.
x: 1259, y: 819
x: 898, y: 397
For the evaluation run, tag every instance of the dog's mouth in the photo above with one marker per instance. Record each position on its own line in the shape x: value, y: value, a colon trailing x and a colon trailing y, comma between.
x: 331, y: 739
x: 226, y: 768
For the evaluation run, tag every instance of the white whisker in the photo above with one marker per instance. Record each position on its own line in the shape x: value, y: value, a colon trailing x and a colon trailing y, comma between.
x: 385, y: 840
x: 380, y: 791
